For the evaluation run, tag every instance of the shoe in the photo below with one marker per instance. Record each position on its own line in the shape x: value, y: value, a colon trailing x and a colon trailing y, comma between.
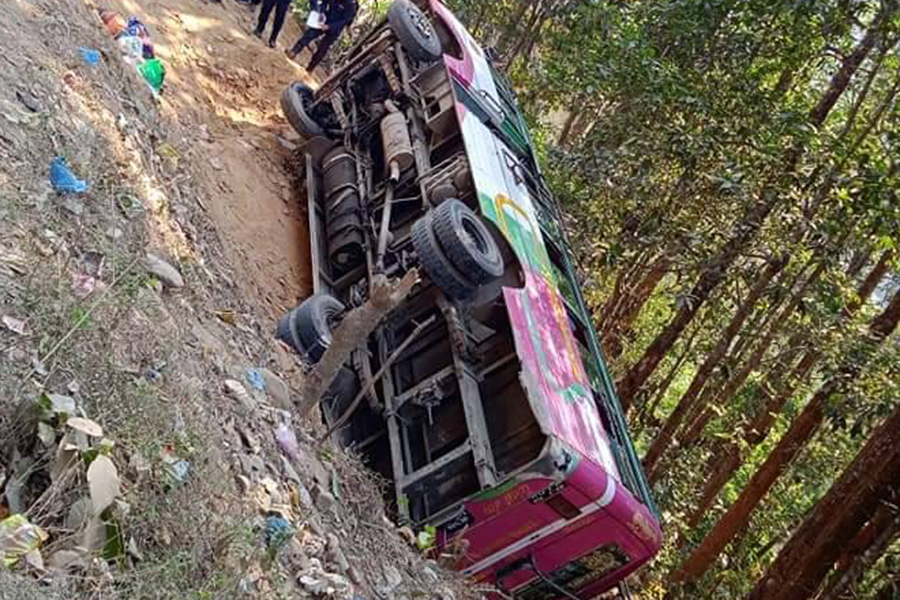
x: 271, y: 43
x: 290, y: 53
x: 257, y: 33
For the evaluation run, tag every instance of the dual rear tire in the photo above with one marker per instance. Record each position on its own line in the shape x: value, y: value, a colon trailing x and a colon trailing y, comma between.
x: 456, y: 249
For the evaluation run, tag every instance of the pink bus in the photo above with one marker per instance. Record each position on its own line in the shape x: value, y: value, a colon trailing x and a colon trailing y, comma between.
x: 497, y: 423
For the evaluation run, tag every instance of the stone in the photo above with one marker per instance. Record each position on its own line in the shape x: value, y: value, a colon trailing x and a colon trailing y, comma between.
x: 252, y: 465
x: 430, y: 575
x: 162, y: 270
x: 325, y: 500
x: 391, y: 580
x: 289, y: 472
x: 237, y: 391
x: 278, y: 391
x: 336, y: 554
x: 73, y: 205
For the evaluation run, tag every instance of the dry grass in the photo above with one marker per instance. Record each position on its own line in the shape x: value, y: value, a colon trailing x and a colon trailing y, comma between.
x: 127, y: 354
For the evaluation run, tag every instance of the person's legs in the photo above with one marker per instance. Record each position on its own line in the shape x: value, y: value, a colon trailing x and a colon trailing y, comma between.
x: 281, y: 10
x: 305, y: 40
x: 325, y: 45
x: 264, y: 13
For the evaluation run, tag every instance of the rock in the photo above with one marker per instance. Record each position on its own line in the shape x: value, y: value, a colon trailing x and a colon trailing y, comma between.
x: 391, y: 580
x: 430, y: 575
x: 73, y: 205
x: 277, y: 389
x: 252, y: 465
x: 237, y: 391
x: 114, y: 233
x: 289, y: 472
x: 336, y: 554
x: 297, y: 556
x: 305, y: 497
x: 249, y: 439
x: 166, y: 273
x: 325, y: 500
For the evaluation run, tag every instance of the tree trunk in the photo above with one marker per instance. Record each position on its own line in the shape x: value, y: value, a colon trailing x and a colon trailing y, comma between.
x: 852, y: 500
x: 745, y: 230
x: 800, y: 431
x: 686, y: 403
x: 563, y: 138
x: 353, y: 331
x: 776, y: 391
x: 864, y: 550
x: 659, y: 391
x: 626, y: 315
x: 734, y: 384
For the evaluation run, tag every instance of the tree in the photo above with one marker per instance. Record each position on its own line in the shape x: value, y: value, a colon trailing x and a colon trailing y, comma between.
x: 774, y: 394
x: 800, y: 431
x: 747, y: 228
x: 806, y: 559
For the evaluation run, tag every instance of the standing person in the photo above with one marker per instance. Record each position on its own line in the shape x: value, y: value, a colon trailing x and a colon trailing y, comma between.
x: 338, y: 15
x: 281, y: 9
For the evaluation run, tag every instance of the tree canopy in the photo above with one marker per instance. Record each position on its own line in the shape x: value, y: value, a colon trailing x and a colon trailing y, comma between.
x: 729, y: 173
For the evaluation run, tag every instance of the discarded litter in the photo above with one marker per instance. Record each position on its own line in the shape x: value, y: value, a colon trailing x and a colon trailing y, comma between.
x: 15, y: 325
x: 103, y: 482
x: 175, y: 469
x: 63, y: 180
x: 18, y: 538
x: 154, y: 73
x: 132, y: 48
x: 133, y: 39
x: 86, y: 426
x: 113, y: 21
x: 256, y: 379
x: 288, y: 441
x: 278, y: 532
x: 90, y: 56
x: 168, y: 152
x: 83, y: 285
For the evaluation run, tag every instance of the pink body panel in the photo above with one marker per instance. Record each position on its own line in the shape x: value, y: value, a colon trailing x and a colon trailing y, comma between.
x: 511, y: 526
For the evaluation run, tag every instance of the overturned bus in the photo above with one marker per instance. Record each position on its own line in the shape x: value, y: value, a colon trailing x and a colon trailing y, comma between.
x: 498, y: 424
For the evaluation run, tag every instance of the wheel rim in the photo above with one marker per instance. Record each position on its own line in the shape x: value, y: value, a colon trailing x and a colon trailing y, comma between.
x: 473, y: 231
x: 420, y: 21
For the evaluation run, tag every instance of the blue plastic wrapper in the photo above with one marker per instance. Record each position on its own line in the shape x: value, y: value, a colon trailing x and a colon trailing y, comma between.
x: 256, y: 379
x: 63, y: 180
x: 278, y: 532
x: 90, y: 56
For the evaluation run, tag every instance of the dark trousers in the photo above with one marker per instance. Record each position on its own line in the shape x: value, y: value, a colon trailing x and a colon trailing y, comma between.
x: 281, y: 8
x: 307, y: 38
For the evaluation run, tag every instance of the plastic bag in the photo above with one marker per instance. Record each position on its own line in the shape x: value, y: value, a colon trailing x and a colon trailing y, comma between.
x: 90, y: 56
x: 154, y: 73
x: 315, y: 20
x: 18, y: 537
x: 139, y: 30
x: 63, y: 180
x: 132, y: 48
x: 136, y: 28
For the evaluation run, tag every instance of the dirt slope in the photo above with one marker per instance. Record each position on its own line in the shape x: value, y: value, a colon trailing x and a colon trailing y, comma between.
x: 172, y: 359
x: 222, y: 94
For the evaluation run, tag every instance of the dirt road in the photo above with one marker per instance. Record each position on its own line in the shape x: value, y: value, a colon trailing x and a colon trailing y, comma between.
x: 221, y: 100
